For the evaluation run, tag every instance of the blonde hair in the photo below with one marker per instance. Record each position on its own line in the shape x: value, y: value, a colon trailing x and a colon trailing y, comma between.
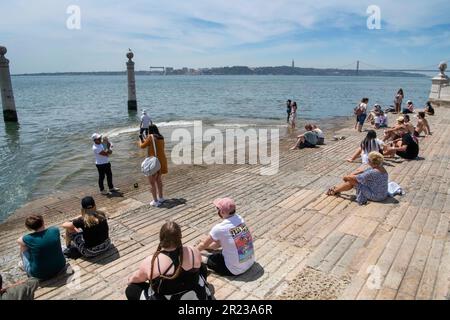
x: 92, y: 217
x: 376, y: 158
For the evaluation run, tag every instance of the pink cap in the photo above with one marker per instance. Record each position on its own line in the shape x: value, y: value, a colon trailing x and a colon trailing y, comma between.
x: 226, y: 205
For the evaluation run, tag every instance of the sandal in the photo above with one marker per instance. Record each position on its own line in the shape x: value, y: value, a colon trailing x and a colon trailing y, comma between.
x: 332, y: 192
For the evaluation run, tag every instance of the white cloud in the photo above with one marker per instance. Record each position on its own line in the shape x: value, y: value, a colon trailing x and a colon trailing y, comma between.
x: 158, y: 28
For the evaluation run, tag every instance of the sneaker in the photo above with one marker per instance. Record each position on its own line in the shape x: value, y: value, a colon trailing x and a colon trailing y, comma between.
x: 155, y: 203
x: 114, y: 189
x: 105, y: 193
x: 161, y: 200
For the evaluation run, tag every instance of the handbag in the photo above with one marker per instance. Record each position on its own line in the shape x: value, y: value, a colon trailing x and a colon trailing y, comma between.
x: 151, y: 165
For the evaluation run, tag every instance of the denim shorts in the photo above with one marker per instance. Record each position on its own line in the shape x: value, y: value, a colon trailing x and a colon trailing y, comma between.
x: 361, y: 118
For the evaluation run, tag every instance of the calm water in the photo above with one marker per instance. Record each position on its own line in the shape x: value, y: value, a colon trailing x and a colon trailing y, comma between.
x: 50, y: 150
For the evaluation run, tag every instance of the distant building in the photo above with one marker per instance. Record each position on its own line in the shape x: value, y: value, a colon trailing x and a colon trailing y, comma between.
x: 169, y: 69
x: 293, y: 64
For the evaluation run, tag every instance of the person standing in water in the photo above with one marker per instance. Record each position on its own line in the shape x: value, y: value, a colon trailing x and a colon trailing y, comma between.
x: 293, y: 117
x: 288, y: 109
x: 398, y: 100
x: 146, y: 121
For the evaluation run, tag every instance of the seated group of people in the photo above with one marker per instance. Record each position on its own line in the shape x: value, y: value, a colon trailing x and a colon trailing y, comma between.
x: 312, y: 137
x: 41, y: 254
x: 174, y: 271
x: 401, y: 140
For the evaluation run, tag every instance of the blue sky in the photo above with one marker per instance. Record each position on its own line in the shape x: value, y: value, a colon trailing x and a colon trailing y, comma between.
x: 205, y: 33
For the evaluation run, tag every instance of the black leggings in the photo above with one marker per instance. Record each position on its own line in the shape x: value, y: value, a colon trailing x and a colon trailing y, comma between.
x: 104, y: 169
x: 134, y: 290
x: 216, y: 262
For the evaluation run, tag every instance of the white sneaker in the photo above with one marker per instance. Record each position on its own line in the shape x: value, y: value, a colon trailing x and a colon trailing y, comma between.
x: 155, y: 203
x: 114, y: 189
x: 105, y: 193
x: 161, y: 200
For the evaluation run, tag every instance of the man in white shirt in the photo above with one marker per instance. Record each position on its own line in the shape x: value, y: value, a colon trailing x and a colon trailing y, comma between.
x: 146, y: 121
x: 232, y: 234
x: 102, y: 164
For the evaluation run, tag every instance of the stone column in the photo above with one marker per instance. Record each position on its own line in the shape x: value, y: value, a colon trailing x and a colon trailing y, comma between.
x: 132, y: 103
x: 9, y: 106
x: 440, y: 88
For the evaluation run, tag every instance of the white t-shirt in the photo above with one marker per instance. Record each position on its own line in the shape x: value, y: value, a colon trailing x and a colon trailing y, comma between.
x: 376, y: 146
x: 99, y: 159
x: 381, y: 120
x: 363, y: 107
x: 145, y: 119
x: 236, y: 242
x: 319, y: 133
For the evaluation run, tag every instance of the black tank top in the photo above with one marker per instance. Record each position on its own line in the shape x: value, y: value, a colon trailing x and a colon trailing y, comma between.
x: 186, y: 280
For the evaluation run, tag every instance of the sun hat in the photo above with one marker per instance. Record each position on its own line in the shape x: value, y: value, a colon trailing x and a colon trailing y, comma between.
x: 400, y: 119
x: 96, y: 136
x: 225, y: 205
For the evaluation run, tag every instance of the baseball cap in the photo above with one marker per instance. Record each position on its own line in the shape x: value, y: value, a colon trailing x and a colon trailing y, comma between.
x: 88, y: 202
x: 409, y: 102
x: 225, y: 205
x: 96, y: 136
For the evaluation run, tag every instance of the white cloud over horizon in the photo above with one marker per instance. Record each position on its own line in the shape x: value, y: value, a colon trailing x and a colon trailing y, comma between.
x: 203, y: 33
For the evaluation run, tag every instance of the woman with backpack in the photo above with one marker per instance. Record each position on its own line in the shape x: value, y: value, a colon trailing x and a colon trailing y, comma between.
x: 173, y: 272
x: 155, y: 144
x: 360, y: 112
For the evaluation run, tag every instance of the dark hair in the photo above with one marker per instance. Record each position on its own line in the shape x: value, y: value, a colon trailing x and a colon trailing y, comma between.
x: 369, y: 144
x: 365, y: 100
x: 400, y: 91
x: 308, y: 127
x: 406, y: 117
x: 153, y: 129
x: 34, y: 222
x: 169, y: 236
x: 288, y: 100
x: 294, y: 103
x: 421, y: 114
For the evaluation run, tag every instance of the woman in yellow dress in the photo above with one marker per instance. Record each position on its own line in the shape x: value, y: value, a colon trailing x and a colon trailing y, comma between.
x: 156, y: 185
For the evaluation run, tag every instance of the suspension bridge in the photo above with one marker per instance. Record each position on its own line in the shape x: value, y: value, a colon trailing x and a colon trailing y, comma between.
x: 361, y: 65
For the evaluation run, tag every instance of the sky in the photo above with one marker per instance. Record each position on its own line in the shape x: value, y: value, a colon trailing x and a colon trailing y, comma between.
x: 210, y: 33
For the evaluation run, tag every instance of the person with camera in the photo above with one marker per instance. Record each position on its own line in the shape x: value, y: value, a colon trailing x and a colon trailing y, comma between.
x: 154, y: 143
